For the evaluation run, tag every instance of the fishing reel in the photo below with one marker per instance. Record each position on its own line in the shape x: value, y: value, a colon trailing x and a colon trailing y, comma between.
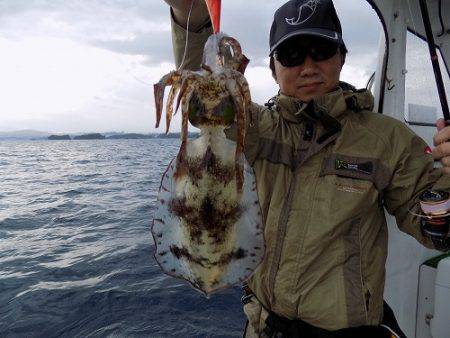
x: 435, y: 217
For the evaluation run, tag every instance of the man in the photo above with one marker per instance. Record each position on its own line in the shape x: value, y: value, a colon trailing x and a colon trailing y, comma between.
x: 326, y: 167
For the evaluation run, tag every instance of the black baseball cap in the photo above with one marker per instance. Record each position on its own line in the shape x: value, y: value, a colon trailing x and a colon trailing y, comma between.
x: 305, y: 17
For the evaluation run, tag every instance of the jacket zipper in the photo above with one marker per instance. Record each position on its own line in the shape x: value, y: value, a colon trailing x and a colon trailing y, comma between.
x: 281, y: 233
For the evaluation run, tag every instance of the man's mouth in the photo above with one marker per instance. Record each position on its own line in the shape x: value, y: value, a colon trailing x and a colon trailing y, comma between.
x: 310, y: 85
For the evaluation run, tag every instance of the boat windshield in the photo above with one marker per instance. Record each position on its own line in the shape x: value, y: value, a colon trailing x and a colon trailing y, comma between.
x: 422, y: 105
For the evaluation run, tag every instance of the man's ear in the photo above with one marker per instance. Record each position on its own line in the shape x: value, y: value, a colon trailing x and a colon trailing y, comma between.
x: 272, y: 68
x: 343, y: 55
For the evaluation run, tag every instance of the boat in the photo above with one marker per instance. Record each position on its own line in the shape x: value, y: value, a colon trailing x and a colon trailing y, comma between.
x: 417, y: 278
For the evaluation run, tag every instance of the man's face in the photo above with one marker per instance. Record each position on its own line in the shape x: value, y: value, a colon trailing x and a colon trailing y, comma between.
x: 310, y: 79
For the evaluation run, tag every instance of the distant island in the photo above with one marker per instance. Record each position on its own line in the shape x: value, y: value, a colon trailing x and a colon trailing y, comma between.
x: 59, y: 137
x: 122, y: 136
x: 33, y: 135
x: 130, y: 136
x: 93, y: 136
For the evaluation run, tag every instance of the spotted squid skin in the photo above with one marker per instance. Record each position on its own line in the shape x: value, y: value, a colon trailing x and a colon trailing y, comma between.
x: 204, y: 230
x: 208, y: 224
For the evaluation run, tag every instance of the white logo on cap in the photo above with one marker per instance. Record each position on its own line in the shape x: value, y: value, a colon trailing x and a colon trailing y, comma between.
x: 305, y: 12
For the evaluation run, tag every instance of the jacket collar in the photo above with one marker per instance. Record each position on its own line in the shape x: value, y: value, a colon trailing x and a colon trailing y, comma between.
x: 335, y: 104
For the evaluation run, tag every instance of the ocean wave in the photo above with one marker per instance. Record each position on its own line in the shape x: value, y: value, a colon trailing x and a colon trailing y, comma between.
x: 76, y: 252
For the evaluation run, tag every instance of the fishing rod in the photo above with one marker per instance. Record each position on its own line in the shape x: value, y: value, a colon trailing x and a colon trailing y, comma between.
x: 435, y: 60
x: 214, y: 9
x: 435, y: 204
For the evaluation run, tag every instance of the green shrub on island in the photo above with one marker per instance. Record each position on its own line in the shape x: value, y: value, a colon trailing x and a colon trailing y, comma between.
x: 93, y: 136
x: 59, y: 137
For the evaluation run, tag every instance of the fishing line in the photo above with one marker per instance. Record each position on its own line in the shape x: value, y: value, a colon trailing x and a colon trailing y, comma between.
x: 184, y: 54
x: 425, y: 215
x: 187, y: 36
x: 126, y: 68
x: 390, y: 330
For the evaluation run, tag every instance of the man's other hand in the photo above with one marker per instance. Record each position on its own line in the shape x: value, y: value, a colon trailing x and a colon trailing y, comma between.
x: 442, y: 145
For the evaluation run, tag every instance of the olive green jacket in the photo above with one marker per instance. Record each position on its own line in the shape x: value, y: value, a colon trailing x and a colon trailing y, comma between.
x: 325, y: 172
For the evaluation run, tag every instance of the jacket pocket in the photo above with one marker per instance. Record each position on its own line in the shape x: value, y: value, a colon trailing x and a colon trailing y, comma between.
x: 357, y: 168
x: 351, y: 185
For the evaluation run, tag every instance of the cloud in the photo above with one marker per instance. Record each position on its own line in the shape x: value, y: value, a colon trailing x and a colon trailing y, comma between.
x: 155, y: 51
x: 126, y: 27
x: 142, y: 27
x: 98, y: 87
x: 90, y: 64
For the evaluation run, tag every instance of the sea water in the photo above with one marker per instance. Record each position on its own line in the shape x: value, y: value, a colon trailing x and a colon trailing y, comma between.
x: 76, y: 251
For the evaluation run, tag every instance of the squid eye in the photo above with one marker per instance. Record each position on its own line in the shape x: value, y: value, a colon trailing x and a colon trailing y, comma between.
x: 196, y: 109
x: 226, y: 110
x: 229, y: 112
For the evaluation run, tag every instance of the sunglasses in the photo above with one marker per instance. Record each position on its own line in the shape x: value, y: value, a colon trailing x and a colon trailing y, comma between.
x: 293, y: 53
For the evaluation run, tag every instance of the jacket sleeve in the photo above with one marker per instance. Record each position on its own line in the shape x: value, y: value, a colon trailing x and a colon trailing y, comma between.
x: 194, y: 50
x: 413, y: 173
x: 253, y: 119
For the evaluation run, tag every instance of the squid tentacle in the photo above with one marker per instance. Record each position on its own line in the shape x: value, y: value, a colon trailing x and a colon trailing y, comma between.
x: 245, y: 91
x: 238, y: 100
x: 170, y: 99
x: 181, y: 158
x: 186, y: 82
x: 238, y: 61
x: 233, y: 43
x: 158, y: 90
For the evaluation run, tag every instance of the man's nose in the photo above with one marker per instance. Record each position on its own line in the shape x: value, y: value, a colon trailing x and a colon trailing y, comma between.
x: 308, y: 66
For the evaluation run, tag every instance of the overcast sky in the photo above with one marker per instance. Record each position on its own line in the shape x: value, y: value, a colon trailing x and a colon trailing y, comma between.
x: 89, y: 65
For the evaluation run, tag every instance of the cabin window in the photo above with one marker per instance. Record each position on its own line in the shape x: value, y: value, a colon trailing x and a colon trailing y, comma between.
x: 422, y: 105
